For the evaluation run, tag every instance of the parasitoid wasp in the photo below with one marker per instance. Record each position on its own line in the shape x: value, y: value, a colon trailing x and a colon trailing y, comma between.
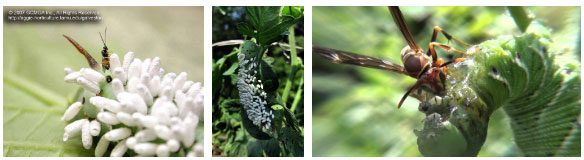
x: 92, y: 63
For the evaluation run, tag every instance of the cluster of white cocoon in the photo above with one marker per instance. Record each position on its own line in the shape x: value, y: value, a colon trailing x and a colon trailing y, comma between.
x: 151, y: 113
x: 251, y: 93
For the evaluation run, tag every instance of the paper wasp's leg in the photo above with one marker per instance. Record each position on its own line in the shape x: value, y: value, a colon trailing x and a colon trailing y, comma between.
x: 437, y: 30
x: 456, y: 60
x: 445, y: 47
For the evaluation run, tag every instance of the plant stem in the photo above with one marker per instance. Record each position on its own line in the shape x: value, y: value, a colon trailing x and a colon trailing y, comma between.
x: 520, y: 17
x: 293, y: 62
x: 298, y: 95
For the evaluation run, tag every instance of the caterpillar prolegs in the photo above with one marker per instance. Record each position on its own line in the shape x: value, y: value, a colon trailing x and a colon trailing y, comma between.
x: 521, y: 75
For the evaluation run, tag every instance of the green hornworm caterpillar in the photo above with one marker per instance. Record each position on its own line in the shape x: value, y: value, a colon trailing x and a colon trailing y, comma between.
x: 519, y: 74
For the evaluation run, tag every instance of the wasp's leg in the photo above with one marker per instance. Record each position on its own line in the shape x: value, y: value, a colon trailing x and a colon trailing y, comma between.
x: 437, y: 30
x: 447, y: 48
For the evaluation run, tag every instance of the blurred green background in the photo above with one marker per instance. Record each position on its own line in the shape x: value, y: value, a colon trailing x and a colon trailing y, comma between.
x: 355, y: 109
x: 35, y: 95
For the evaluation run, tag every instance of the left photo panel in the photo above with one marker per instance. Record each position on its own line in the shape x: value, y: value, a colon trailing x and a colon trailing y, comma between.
x: 103, y: 81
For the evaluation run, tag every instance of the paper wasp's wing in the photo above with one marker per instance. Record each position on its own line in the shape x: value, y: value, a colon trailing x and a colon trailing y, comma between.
x: 94, y: 65
x: 343, y: 57
x: 400, y: 22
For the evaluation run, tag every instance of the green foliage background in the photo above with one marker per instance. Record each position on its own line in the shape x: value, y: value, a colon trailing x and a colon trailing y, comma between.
x: 230, y: 137
x: 35, y: 95
x: 357, y: 115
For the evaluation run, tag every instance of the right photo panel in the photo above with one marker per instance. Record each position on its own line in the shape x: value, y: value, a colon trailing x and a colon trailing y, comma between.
x: 446, y: 81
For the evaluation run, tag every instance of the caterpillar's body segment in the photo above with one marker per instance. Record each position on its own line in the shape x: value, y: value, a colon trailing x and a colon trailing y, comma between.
x: 519, y: 74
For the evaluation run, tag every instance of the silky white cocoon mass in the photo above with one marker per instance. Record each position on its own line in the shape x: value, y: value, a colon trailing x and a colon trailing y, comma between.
x: 145, y: 149
x: 73, y: 129
x: 145, y: 94
x: 186, y: 86
x: 126, y: 118
x: 92, y: 75
x: 72, y: 77
x: 118, y: 134
x: 154, y: 68
x: 154, y: 85
x: 128, y: 59
x: 88, y: 85
x: 119, y: 150
x: 68, y: 70
x: 198, y: 149
x: 114, y: 61
x: 160, y: 108
x: 119, y: 73
x: 173, y: 145
x: 135, y: 69
x: 145, y: 66
x: 105, y: 103
x: 148, y: 121
x: 117, y: 86
x: 108, y: 118
x: 94, y: 128
x: 162, y: 151
x: 189, y: 125
x: 179, y: 81
x: 131, y: 142
x: 145, y: 135
x: 163, y: 132
x: 101, y: 147
x: 71, y: 111
x: 86, y: 137
x: 132, y: 85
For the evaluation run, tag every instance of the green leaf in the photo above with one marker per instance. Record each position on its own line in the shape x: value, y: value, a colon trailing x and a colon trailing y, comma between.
x: 260, y: 148
x: 293, y: 11
x: 268, y: 77
x: 262, y: 18
x: 274, y: 33
x: 293, y: 141
x: 268, y: 24
x: 252, y: 129
x: 231, y: 69
x: 32, y: 125
x: 245, y: 29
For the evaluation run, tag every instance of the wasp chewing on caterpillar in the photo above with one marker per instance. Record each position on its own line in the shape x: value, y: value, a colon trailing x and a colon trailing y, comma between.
x: 531, y: 77
x: 92, y: 62
x: 427, y: 68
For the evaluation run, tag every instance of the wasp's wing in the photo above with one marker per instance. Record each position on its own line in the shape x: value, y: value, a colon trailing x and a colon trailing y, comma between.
x: 81, y: 50
x: 400, y: 22
x: 343, y: 57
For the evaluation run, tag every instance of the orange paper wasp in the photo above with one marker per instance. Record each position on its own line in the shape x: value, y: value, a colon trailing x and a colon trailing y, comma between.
x: 427, y: 68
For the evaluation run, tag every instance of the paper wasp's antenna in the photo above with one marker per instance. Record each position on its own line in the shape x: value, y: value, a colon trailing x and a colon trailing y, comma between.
x: 92, y: 63
x: 104, y: 52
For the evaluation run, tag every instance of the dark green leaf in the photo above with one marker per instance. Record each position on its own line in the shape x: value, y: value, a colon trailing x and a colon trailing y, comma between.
x: 231, y: 69
x: 260, y: 148
x: 293, y: 11
x: 262, y: 18
x: 252, y: 129
x: 245, y: 29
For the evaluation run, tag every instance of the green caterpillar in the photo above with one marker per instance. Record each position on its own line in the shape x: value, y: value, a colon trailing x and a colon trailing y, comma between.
x: 520, y: 74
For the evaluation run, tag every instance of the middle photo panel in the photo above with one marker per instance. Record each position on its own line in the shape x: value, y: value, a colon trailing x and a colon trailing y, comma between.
x: 258, y: 77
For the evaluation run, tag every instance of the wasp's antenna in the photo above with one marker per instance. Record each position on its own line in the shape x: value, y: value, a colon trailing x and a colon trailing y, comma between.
x: 415, y: 86
x: 103, y: 39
